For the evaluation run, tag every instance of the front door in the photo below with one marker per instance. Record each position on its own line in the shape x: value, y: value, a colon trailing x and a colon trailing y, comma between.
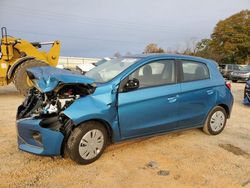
x: 153, y: 107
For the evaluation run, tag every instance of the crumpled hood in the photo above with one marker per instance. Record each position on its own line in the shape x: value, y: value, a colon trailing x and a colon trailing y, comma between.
x: 48, y: 78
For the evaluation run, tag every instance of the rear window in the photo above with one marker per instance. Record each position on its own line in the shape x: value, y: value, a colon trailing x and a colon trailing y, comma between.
x: 194, y: 71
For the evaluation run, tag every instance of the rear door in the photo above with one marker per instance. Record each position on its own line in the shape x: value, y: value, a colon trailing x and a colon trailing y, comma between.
x: 197, y: 93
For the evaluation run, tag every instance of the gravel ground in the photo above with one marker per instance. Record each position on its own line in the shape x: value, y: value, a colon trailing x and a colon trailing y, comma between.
x: 184, y: 159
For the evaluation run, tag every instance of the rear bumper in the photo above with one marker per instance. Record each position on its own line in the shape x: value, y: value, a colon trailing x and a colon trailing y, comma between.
x: 35, y: 139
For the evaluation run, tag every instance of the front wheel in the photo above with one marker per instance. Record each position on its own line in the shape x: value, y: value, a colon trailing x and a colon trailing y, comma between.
x: 87, y: 142
x: 216, y: 121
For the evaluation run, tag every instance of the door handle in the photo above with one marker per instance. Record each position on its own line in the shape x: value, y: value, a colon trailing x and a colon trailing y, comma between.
x: 210, y: 92
x: 173, y: 99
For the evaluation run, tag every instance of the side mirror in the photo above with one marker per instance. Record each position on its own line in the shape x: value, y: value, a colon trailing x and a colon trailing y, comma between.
x: 131, y: 84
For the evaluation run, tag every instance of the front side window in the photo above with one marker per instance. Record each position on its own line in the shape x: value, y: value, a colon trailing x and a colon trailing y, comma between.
x: 155, y: 73
x: 194, y: 71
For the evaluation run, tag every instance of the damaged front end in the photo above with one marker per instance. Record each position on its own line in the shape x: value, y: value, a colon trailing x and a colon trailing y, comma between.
x: 41, y: 124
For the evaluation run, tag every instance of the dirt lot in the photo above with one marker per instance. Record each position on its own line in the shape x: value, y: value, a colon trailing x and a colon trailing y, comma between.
x: 184, y: 159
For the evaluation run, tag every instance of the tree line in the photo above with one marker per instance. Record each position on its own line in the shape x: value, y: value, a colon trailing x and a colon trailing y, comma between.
x: 229, y: 42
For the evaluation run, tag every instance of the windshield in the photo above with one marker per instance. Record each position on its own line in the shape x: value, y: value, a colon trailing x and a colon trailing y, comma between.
x: 110, y: 69
x: 100, y: 62
x: 246, y: 68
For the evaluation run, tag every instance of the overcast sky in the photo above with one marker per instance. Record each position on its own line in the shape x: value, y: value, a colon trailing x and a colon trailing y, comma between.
x: 92, y: 28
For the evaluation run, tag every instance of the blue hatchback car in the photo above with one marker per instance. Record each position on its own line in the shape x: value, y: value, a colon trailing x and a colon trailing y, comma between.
x: 124, y: 98
x: 246, y: 99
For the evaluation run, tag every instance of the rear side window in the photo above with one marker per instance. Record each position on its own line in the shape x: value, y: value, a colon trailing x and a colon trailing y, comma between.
x: 194, y: 71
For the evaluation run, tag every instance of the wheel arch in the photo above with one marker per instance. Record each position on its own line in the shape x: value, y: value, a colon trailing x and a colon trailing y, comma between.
x: 104, y: 123
x: 226, y: 108
x: 14, y: 66
x: 71, y: 126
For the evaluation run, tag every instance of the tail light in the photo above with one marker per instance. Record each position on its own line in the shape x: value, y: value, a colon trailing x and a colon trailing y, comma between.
x: 228, y: 84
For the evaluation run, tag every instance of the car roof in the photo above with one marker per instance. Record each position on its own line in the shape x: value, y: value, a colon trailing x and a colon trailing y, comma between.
x: 155, y: 55
x: 164, y: 55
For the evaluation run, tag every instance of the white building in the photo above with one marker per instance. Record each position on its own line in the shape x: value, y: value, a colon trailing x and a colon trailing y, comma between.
x: 71, y: 62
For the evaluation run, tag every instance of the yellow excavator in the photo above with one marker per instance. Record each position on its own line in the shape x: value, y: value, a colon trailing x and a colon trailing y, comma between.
x: 16, y: 55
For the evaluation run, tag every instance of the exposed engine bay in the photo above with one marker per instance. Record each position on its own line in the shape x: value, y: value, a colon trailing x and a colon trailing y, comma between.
x: 39, y: 104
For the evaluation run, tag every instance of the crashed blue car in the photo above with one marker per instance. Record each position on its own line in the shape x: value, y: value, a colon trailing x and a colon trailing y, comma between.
x: 246, y: 99
x: 124, y: 98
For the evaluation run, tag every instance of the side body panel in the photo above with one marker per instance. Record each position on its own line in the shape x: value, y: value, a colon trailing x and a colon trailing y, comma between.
x: 149, y: 110
x: 196, y: 99
x: 199, y: 97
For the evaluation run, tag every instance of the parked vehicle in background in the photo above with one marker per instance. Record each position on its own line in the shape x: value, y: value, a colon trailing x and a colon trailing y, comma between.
x: 124, y: 98
x: 246, y: 99
x: 241, y: 75
x: 104, y: 60
x: 226, y: 69
x: 60, y: 66
x: 85, y: 67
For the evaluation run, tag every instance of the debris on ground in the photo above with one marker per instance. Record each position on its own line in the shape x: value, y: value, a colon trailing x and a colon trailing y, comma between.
x: 245, y: 183
x: 152, y: 165
x: 163, y: 172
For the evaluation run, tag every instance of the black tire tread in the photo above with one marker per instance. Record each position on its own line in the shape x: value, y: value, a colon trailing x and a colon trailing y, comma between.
x: 75, y: 137
x: 206, y: 127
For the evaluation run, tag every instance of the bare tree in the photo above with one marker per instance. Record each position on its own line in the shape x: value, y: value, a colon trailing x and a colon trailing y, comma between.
x: 117, y: 54
x: 153, y: 48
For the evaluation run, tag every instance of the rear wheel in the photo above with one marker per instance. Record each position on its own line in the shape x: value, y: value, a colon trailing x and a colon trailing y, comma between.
x: 216, y: 121
x: 87, y: 142
x: 20, y: 78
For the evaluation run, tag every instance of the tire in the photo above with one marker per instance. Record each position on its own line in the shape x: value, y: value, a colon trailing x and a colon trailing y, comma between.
x: 20, y: 75
x: 216, y: 121
x: 87, y: 142
x: 234, y: 81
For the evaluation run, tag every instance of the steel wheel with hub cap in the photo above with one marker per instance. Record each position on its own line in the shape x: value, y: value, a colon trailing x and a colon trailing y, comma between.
x: 216, y: 121
x: 87, y: 142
